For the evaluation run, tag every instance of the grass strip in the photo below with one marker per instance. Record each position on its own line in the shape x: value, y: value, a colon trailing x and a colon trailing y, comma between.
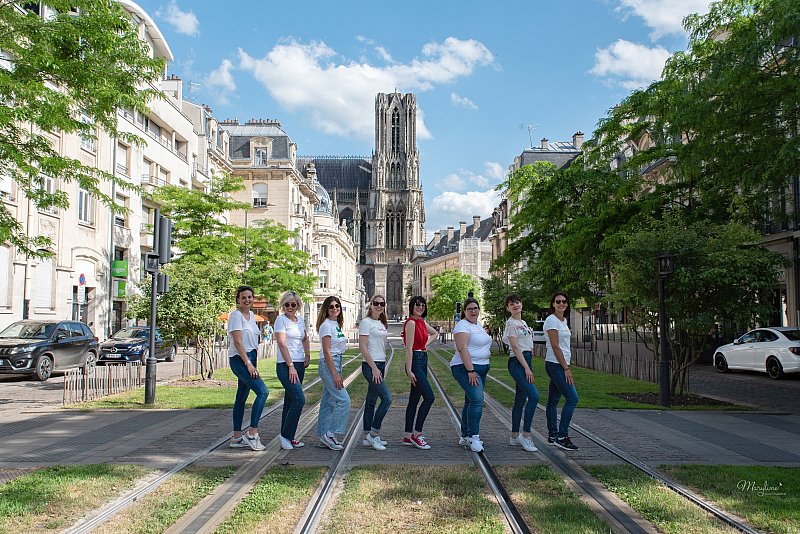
x: 56, y: 497
x: 767, y: 497
x: 276, y: 503
x: 546, y: 503
x: 668, y: 511
x: 414, y: 498
x: 157, y: 511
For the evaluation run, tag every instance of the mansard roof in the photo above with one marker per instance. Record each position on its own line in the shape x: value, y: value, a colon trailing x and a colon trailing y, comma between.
x: 444, y: 246
x: 340, y: 173
x: 240, y: 135
x: 559, y: 153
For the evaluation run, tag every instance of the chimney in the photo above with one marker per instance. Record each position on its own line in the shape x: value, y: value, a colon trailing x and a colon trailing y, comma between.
x: 545, y: 143
x: 450, y: 233
x: 577, y: 139
x: 476, y: 223
x: 462, y: 229
x: 437, y: 235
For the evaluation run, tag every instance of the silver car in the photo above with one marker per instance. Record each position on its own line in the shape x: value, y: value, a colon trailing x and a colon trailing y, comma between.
x: 773, y: 350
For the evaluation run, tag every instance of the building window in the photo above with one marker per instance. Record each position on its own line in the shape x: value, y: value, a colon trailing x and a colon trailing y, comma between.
x: 261, y: 157
x: 5, y: 276
x: 323, y: 279
x: 48, y: 185
x: 396, y: 131
x: 259, y: 195
x: 323, y: 251
x: 121, y: 218
x: 44, y: 283
x: 88, y: 137
x: 122, y: 159
x: 85, y: 207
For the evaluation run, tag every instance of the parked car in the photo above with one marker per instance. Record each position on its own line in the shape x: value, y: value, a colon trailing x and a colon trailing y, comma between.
x: 39, y: 347
x: 132, y: 344
x: 537, y: 328
x: 773, y: 350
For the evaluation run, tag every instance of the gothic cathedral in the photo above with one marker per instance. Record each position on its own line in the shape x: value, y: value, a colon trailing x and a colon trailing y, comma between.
x: 381, y: 200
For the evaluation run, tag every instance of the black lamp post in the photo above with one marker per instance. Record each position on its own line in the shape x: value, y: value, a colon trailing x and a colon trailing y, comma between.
x: 666, y: 266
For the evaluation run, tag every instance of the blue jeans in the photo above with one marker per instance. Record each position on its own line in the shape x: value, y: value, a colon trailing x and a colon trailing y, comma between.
x: 419, y: 366
x: 473, y: 398
x: 559, y: 387
x: 247, y: 383
x: 293, y: 399
x: 334, y: 407
x: 373, y: 418
x: 525, y: 392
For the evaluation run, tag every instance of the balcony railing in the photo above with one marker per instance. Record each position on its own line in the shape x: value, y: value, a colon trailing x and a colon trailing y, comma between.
x: 153, y: 180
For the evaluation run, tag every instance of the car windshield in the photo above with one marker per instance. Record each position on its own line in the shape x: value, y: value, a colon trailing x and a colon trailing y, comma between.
x: 131, y: 333
x: 792, y: 335
x: 29, y: 331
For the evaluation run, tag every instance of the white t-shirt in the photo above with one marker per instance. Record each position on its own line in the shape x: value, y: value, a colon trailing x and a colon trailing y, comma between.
x: 553, y: 323
x: 480, y: 343
x: 331, y: 329
x: 520, y: 330
x: 295, y: 332
x: 376, y: 343
x: 249, y: 329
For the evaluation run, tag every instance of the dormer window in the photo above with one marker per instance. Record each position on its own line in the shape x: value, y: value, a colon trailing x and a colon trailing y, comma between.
x: 261, y: 157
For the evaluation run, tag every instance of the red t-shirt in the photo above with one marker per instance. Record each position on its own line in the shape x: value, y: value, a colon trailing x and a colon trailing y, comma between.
x: 420, y: 333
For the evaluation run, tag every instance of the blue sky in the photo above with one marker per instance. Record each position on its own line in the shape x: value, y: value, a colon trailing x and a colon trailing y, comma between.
x: 482, y: 72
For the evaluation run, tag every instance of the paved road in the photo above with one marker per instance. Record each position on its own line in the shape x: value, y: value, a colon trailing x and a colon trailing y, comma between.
x: 748, y: 387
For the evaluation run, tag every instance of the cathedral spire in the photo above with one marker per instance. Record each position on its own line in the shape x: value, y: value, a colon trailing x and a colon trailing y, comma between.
x: 335, y: 209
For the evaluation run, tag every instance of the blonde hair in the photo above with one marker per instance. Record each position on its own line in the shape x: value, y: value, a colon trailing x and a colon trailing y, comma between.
x: 382, y: 318
x: 290, y: 295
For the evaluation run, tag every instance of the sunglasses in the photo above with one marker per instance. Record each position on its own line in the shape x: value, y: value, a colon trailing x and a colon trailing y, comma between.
x: 334, y: 306
x: 289, y: 304
x: 420, y: 304
x: 474, y: 308
x: 376, y: 303
x: 560, y: 301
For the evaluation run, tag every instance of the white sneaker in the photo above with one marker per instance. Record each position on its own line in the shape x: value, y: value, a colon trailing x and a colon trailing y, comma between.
x: 285, y: 443
x: 330, y: 442
x: 464, y: 442
x: 254, y: 442
x: 374, y: 442
x: 368, y: 444
x: 475, y: 443
x: 296, y: 443
x: 526, y: 443
x: 238, y: 443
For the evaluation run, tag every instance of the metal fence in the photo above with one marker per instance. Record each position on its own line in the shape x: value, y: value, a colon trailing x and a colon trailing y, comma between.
x: 98, y: 382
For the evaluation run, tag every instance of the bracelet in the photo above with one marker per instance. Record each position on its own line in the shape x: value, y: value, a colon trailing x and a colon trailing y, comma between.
x: 470, y: 370
x: 566, y: 368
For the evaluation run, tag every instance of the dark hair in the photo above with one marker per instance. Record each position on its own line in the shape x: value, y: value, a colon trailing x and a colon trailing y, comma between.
x: 467, y: 302
x: 242, y: 289
x: 323, y: 311
x: 413, y: 301
x: 382, y: 317
x: 511, y: 297
x: 553, y: 299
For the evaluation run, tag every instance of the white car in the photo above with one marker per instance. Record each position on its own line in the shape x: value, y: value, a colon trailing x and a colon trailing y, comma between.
x: 774, y: 350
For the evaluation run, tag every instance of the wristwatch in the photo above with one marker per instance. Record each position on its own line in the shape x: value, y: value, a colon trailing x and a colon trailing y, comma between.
x: 470, y: 370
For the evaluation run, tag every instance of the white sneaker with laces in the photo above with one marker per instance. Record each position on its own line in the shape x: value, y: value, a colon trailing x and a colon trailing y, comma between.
x: 254, y: 442
x: 374, y: 442
x: 475, y: 443
x: 526, y: 443
x: 330, y: 442
x: 285, y: 443
x: 238, y: 443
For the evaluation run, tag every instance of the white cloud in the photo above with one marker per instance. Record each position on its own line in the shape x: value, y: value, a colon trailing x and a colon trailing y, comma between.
x: 339, y: 96
x: 220, y: 83
x: 450, y: 203
x: 184, y: 22
x: 384, y: 54
x: 462, y: 101
x: 629, y: 64
x: 664, y: 17
x: 453, y: 181
x: 495, y: 170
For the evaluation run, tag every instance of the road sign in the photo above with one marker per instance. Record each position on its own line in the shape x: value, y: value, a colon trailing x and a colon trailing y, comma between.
x: 81, y: 279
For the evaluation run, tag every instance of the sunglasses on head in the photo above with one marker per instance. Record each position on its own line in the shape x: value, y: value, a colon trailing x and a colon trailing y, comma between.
x: 561, y: 301
x: 376, y: 303
x: 289, y: 304
x: 335, y: 305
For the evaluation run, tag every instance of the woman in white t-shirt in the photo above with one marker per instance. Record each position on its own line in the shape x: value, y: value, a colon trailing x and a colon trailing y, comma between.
x: 294, y: 355
x: 519, y: 337
x: 372, y: 335
x: 244, y: 333
x: 334, y: 407
x: 469, y: 366
x: 556, y: 363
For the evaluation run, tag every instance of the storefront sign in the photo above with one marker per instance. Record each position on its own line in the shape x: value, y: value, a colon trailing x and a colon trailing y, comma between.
x: 119, y: 268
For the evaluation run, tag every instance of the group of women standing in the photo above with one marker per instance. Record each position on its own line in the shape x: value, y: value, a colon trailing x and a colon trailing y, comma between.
x: 469, y: 366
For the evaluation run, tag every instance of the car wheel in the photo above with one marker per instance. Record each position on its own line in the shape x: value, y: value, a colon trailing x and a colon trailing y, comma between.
x: 91, y: 361
x: 145, y: 355
x: 720, y: 363
x: 774, y: 368
x: 44, y: 368
x: 171, y: 355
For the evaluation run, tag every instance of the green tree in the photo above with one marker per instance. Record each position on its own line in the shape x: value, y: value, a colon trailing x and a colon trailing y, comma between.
x: 449, y: 287
x: 720, y: 275
x: 55, y: 71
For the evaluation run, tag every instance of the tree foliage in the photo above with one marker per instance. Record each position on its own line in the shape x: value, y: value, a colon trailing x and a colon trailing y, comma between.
x: 449, y: 287
x: 56, y: 70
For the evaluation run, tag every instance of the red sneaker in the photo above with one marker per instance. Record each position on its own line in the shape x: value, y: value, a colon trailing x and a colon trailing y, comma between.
x: 407, y: 441
x: 419, y: 442
x: 297, y: 444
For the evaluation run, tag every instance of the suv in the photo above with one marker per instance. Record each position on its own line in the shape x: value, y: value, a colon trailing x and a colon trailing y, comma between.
x: 39, y: 347
x: 132, y: 344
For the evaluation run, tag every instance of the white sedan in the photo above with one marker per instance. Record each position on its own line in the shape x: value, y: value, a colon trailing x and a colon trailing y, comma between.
x: 772, y: 350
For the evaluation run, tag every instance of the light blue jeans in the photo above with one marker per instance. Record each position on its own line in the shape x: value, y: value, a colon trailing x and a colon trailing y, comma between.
x: 473, y: 398
x: 334, y: 407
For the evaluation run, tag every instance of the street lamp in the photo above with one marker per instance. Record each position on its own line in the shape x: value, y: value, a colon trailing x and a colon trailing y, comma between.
x: 666, y: 266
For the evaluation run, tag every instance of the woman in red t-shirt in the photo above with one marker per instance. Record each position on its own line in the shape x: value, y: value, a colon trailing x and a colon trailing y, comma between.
x: 417, y: 335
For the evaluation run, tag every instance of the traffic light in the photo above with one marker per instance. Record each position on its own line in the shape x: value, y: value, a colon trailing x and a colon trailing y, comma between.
x: 162, y: 283
x: 165, y: 240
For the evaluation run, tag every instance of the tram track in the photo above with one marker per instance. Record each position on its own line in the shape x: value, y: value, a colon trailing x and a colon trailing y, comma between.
x: 606, y: 503
x: 110, y: 510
